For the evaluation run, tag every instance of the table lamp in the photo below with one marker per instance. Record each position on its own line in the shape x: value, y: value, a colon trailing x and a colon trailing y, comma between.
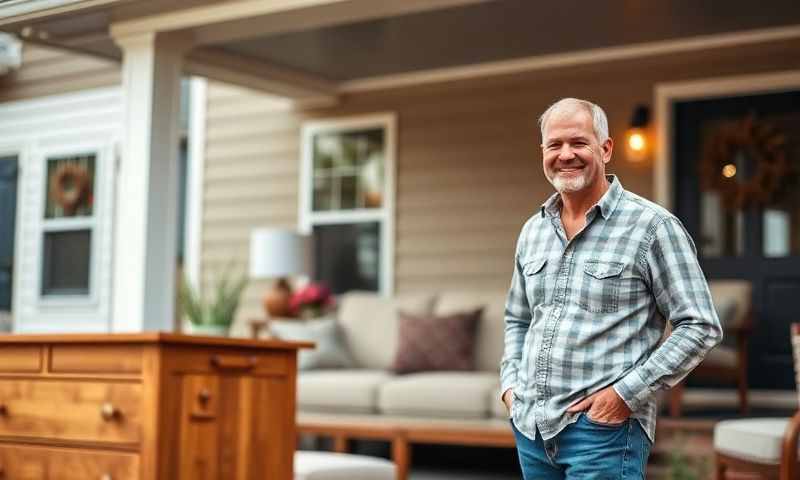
x: 277, y: 254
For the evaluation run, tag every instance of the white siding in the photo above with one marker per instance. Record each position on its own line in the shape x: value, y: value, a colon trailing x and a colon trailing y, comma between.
x: 89, y: 120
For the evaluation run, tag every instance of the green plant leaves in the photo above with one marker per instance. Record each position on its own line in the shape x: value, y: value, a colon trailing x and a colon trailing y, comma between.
x: 221, y: 308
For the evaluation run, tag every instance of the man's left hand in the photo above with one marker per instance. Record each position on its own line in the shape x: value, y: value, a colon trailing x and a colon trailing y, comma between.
x: 604, y: 406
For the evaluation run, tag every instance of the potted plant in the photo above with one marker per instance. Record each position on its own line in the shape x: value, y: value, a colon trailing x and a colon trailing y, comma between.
x: 212, y: 317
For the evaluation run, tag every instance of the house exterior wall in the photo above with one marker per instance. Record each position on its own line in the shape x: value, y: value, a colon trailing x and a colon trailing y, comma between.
x: 88, y: 121
x: 58, y: 103
x: 468, y: 160
x: 50, y: 71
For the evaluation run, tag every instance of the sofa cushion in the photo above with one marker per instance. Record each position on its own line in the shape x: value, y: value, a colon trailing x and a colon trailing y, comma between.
x: 428, y: 342
x: 369, y: 324
x: 438, y: 394
x: 490, y: 337
x: 345, y: 391
x: 755, y: 439
x: 341, y: 466
x: 329, y: 350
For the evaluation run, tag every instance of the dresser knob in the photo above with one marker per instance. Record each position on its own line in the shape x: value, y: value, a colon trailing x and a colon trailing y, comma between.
x: 3, y: 412
x: 203, y: 397
x: 109, y: 412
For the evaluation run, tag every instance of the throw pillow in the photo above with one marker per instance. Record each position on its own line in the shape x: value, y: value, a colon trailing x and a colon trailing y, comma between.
x: 329, y: 352
x: 429, y: 342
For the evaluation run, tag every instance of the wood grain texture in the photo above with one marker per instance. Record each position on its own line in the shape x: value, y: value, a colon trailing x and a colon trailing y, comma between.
x: 41, y: 463
x: 197, y: 408
x: 71, y: 410
x: 21, y: 359
x: 99, y: 359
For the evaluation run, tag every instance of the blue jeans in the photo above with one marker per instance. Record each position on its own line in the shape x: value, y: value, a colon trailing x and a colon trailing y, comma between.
x: 586, y: 450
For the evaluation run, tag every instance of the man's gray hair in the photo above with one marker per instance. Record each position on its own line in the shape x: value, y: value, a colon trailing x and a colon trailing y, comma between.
x: 599, y: 119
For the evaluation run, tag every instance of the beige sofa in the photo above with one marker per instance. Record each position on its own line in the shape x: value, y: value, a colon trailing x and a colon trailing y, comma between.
x: 370, y: 401
x: 369, y: 326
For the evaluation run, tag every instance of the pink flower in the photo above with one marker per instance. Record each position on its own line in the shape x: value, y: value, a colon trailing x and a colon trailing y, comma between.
x: 313, y: 296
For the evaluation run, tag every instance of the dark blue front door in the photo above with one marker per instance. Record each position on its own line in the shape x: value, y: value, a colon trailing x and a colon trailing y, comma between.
x: 737, y: 177
x: 8, y: 209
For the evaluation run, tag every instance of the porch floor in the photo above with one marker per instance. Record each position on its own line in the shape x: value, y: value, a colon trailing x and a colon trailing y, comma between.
x: 683, y: 441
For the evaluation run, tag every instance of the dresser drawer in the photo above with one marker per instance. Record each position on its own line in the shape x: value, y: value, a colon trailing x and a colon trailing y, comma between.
x: 230, y: 362
x: 44, y: 463
x: 125, y: 359
x: 20, y: 359
x: 79, y: 411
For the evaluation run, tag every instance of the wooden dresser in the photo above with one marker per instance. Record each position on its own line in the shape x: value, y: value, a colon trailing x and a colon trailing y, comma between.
x: 146, y: 406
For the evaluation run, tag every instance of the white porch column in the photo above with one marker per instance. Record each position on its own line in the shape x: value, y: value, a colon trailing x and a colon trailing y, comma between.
x: 145, y: 219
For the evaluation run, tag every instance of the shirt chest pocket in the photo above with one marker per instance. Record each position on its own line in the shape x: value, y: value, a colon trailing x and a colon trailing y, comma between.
x: 534, y: 272
x: 600, y: 286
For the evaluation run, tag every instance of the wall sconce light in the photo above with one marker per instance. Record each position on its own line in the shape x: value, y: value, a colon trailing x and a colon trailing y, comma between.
x: 637, y: 141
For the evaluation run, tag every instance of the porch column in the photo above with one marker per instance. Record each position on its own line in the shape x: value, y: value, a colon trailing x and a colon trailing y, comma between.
x: 145, y: 219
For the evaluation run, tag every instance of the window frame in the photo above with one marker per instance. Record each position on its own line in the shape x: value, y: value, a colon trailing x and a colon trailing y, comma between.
x: 20, y: 151
x: 307, y: 218
x: 102, y: 155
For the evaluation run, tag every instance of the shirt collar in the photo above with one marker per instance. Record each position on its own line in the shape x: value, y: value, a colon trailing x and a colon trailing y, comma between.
x: 607, y: 204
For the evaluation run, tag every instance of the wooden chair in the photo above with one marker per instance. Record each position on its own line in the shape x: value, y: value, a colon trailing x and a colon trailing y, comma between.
x: 766, y: 446
x: 732, y: 299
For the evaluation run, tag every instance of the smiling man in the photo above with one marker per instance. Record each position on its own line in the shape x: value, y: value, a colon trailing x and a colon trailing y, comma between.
x: 598, y: 273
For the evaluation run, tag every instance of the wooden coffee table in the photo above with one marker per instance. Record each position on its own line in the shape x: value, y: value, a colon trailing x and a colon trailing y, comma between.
x: 401, y: 432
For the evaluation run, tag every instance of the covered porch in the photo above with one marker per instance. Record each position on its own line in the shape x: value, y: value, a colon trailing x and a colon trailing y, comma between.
x: 464, y: 81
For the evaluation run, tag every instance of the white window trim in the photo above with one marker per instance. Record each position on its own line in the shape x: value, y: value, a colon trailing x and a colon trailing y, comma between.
x: 103, y: 155
x: 17, y: 150
x: 385, y: 215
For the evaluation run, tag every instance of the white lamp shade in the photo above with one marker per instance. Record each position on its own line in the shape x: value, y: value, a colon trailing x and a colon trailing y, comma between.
x: 278, y: 253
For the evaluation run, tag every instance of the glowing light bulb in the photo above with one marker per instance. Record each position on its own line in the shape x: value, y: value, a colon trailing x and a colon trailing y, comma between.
x: 636, y: 142
x: 729, y: 170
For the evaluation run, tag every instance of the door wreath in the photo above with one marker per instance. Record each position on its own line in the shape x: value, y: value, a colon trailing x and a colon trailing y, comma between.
x: 69, y: 186
x: 765, y: 145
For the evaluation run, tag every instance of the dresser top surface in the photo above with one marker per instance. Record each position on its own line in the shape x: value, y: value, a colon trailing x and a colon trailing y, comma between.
x: 149, y: 338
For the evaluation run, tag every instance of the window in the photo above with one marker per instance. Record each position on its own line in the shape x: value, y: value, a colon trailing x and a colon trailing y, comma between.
x: 68, y: 225
x: 347, y: 201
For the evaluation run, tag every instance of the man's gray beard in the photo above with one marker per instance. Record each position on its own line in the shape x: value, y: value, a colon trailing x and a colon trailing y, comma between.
x: 563, y: 185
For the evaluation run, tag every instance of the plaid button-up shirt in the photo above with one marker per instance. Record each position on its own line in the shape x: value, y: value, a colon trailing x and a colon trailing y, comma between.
x: 589, y: 312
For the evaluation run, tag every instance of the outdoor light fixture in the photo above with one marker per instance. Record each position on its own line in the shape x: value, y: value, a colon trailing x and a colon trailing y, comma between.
x: 729, y: 170
x: 637, y: 143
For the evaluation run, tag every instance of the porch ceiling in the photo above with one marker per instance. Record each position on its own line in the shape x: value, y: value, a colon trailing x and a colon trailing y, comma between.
x: 303, y: 48
x: 503, y: 30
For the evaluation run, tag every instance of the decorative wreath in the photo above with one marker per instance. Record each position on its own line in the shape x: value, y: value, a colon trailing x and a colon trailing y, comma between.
x: 761, y: 142
x: 69, y: 186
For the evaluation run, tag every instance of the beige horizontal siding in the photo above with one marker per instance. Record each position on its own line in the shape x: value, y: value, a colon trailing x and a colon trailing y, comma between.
x: 468, y: 160
x: 250, y: 180
x: 49, y: 71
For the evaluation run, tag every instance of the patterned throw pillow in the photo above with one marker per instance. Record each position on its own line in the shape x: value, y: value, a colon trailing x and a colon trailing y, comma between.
x: 428, y: 343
